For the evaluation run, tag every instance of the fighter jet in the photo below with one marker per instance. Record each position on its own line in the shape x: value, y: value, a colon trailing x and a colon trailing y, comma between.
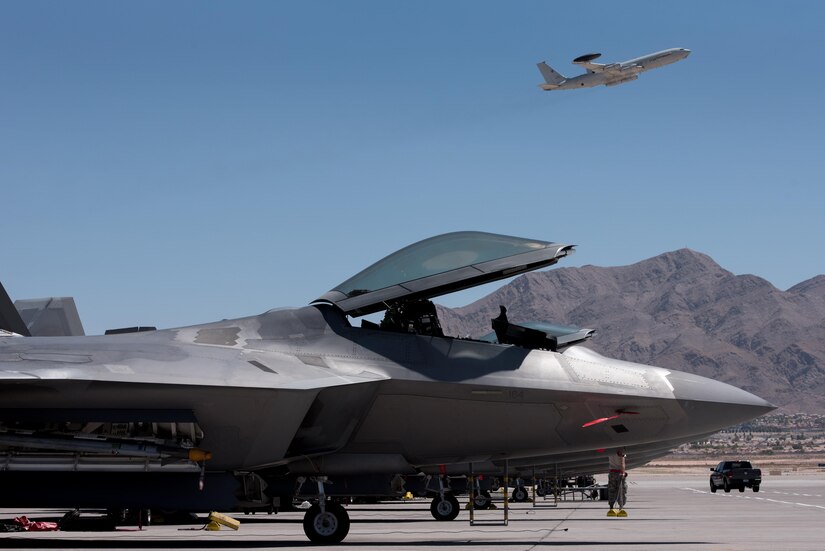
x: 308, y: 402
x: 609, y: 74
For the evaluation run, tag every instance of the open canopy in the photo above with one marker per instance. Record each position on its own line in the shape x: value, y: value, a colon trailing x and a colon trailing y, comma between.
x: 441, y: 265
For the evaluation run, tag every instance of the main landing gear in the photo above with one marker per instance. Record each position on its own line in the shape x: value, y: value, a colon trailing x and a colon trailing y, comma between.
x: 482, y: 500
x: 520, y: 494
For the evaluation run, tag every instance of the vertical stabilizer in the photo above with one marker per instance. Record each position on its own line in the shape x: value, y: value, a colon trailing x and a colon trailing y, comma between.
x: 50, y: 317
x: 551, y: 76
x: 10, y: 319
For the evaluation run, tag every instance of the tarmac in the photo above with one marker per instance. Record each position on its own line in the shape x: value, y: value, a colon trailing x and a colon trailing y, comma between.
x: 665, y: 512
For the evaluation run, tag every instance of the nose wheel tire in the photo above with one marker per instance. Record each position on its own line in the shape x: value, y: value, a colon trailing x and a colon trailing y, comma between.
x: 444, y: 509
x: 326, y: 527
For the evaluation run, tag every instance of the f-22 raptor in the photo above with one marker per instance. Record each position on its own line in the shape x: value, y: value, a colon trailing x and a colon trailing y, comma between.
x: 610, y: 74
x: 303, y: 402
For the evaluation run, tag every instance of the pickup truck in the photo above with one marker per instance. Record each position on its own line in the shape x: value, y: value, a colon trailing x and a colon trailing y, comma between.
x: 735, y: 474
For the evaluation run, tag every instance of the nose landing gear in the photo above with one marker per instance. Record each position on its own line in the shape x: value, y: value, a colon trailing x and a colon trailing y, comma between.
x: 326, y: 522
x: 444, y: 507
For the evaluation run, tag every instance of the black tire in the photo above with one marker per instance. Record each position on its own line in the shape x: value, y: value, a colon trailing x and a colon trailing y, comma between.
x: 727, y: 486
x: 712, y: 487
x: 482, y: 500
x: 541, y: 491
x: 756, y: 488
x: 117, y: 517
x: 444, y: 509
x: 328, y: 527
x: 520, y: 494
x: 741, y: 488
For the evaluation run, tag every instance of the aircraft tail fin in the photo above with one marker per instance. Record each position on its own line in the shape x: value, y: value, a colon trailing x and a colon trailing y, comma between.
x: 10, y: 319
x: 50, y: 317
x: 551, y: 76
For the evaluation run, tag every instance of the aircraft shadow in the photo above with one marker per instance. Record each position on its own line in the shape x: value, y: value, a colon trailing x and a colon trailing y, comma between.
x: 54, y: 543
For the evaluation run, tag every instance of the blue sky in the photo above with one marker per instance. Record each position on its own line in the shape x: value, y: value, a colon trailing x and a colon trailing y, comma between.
x: 171, y: 163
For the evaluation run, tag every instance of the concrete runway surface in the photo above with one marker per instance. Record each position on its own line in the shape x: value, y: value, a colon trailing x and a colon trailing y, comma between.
x: 665, y: 512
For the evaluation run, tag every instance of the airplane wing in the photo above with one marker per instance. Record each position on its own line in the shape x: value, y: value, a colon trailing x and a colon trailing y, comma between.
x: 594, y: 67
x: 613, y: 69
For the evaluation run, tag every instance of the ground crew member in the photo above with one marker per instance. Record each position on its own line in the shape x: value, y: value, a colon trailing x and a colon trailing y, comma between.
x: 617, y: 484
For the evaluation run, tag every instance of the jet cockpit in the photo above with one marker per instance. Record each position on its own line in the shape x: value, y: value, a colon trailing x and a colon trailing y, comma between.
x: 403, y: 283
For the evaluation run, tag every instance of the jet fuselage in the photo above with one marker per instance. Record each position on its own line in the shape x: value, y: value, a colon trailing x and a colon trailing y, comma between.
x: 615, y: 73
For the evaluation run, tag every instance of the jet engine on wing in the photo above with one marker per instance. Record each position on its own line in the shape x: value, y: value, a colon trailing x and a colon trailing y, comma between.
x: 621, y: 81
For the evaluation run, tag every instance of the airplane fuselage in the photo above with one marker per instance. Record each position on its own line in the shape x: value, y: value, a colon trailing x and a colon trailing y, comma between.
x: 183, y: 418
x: 619, y: 73
x: 261, y: 390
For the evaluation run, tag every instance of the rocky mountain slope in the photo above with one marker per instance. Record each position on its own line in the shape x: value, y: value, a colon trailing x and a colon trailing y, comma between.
x: 680, y: 310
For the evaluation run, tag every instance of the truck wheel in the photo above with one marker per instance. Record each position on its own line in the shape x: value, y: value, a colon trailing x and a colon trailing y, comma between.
x: 712, y: 487
x: 756, y: 488
x: 727, y: 486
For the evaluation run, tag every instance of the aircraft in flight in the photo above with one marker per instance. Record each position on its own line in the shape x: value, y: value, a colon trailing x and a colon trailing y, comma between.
x: 609, y: 74
x: 305, y: 402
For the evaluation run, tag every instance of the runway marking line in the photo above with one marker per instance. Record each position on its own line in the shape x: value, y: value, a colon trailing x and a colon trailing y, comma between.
x: 695, y: 491
x: 790, y: 494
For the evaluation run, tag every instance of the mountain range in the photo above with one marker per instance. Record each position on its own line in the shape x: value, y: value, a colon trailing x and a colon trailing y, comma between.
x: 679, y: 310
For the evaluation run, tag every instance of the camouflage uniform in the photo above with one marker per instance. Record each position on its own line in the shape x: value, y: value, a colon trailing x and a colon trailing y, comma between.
x: 616, y: 480
x: 616, y: 489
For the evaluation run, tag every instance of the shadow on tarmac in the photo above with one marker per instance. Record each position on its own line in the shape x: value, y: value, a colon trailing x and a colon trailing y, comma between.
x: 54, y: 543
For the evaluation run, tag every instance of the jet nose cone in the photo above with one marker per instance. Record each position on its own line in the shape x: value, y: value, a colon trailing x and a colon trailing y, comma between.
x: 715, y: 403
x: 685, y: 52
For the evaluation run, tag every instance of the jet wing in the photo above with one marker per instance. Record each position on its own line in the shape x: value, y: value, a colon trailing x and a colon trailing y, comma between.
x: 441, y: 265
x: 594, y: 67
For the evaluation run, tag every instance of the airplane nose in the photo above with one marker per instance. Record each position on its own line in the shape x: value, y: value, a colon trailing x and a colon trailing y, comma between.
x: 714, y: 403
x: 685, y: 52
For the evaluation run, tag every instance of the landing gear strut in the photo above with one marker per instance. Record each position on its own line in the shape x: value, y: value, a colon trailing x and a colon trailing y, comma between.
x: 444, y: 505
x: 326, y: 522
x: 482, y: 500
